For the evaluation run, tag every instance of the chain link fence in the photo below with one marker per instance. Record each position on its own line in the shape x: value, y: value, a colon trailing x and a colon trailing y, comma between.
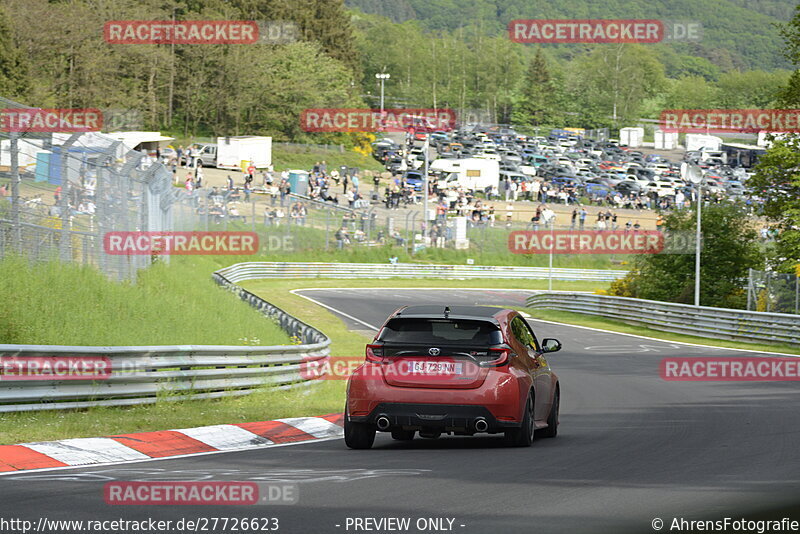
x: 60, y: 193
x: 768, y: 291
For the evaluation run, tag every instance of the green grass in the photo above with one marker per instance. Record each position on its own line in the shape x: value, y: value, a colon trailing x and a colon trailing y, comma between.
x: 284, y: 158
x: 308, y: 243
x: 594, y: 321
x: 178, y: 304
x: 265, y: 404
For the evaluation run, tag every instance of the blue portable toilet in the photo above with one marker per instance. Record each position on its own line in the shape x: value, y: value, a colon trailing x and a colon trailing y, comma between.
x: 298, y: 180
x: 78, y: 156
x: 42, y: 171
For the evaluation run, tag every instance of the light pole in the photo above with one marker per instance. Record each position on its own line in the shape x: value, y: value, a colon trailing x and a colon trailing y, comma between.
x: 552, y: 222
x: 382, y: 76
x: 696, y: 176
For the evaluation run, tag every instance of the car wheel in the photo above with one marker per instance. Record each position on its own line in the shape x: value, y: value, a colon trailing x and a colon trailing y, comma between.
x: 403, y: 435
x: 358, y: 435
x: 524, y: 435
x: 552, y: 420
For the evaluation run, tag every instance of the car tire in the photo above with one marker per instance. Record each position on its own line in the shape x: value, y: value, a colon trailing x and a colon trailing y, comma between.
x: 524, y: 435
x: 403, y: 435
x: 552, y: 419
x: 358, y: 435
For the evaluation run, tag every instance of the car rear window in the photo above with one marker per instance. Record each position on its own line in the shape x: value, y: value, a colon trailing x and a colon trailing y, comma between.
x: 442, y: 331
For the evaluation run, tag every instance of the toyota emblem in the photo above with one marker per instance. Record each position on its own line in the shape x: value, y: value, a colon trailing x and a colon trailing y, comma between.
x: 434, y: 351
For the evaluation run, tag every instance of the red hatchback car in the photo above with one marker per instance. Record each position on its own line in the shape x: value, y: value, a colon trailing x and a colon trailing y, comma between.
x: 458, y: 370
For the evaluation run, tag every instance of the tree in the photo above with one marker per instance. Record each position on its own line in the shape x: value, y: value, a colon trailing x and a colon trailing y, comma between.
x: 538, y: 94
x: 617, y: 79
x: 777, y: 179
x: 730, y: 248
x: 691, y: 92
x: 751, y: 89
x: 324, y: 21
x: 13, y: 70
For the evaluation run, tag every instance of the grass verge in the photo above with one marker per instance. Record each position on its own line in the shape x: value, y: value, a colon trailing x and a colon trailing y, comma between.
x: 593, y: 321
x: 65, y: 304
x: 288, y: 158
x: 265, y: 404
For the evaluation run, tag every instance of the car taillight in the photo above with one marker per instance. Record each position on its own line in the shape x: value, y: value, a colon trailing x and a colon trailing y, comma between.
x: 374, y: 353
x: 498, y: 357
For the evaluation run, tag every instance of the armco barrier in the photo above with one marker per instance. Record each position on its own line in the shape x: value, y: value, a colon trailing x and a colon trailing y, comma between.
x: 255, y: 270
x: 140, y: 375
x: 703, y: 321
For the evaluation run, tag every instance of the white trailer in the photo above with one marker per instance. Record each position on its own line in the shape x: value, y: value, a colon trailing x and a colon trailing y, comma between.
x: 701, y: 141
x: 764, y: 141
x: 665, y: 140
x: 233, y: 151
x: 475, y: 174
x: 631, y: 137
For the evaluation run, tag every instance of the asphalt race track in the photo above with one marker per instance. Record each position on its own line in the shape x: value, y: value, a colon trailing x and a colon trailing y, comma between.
x: 631, y: 447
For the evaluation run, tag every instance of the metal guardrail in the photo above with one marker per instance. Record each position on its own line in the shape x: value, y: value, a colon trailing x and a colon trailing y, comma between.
x: 702, y: 321
x: 255, y: 270
x: 141, y: 375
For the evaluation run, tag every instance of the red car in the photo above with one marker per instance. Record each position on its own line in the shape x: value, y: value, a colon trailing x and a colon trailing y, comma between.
x: 459, y: 370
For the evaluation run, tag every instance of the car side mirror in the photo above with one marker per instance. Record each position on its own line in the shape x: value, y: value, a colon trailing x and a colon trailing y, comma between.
x: 551, y: 345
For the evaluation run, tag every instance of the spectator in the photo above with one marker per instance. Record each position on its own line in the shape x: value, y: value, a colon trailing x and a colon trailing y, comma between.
x: 341, y: 237
x: 536, y: 219
x: 285, y: 189
x: 600, y: 225
x: 582, y: 217
x: 279, y: 215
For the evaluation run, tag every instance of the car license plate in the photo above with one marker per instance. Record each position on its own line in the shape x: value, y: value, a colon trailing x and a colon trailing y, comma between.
x: 436, y: 368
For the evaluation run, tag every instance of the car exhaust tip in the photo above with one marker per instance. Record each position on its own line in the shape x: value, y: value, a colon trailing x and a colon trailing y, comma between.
x: 383, y: 423
x: 481, y: 425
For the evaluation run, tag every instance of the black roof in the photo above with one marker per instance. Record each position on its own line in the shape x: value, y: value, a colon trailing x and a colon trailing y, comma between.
x: 478, y: 312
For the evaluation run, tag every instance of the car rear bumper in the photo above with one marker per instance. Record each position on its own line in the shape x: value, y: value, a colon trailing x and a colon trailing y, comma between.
x: 443, y: 417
